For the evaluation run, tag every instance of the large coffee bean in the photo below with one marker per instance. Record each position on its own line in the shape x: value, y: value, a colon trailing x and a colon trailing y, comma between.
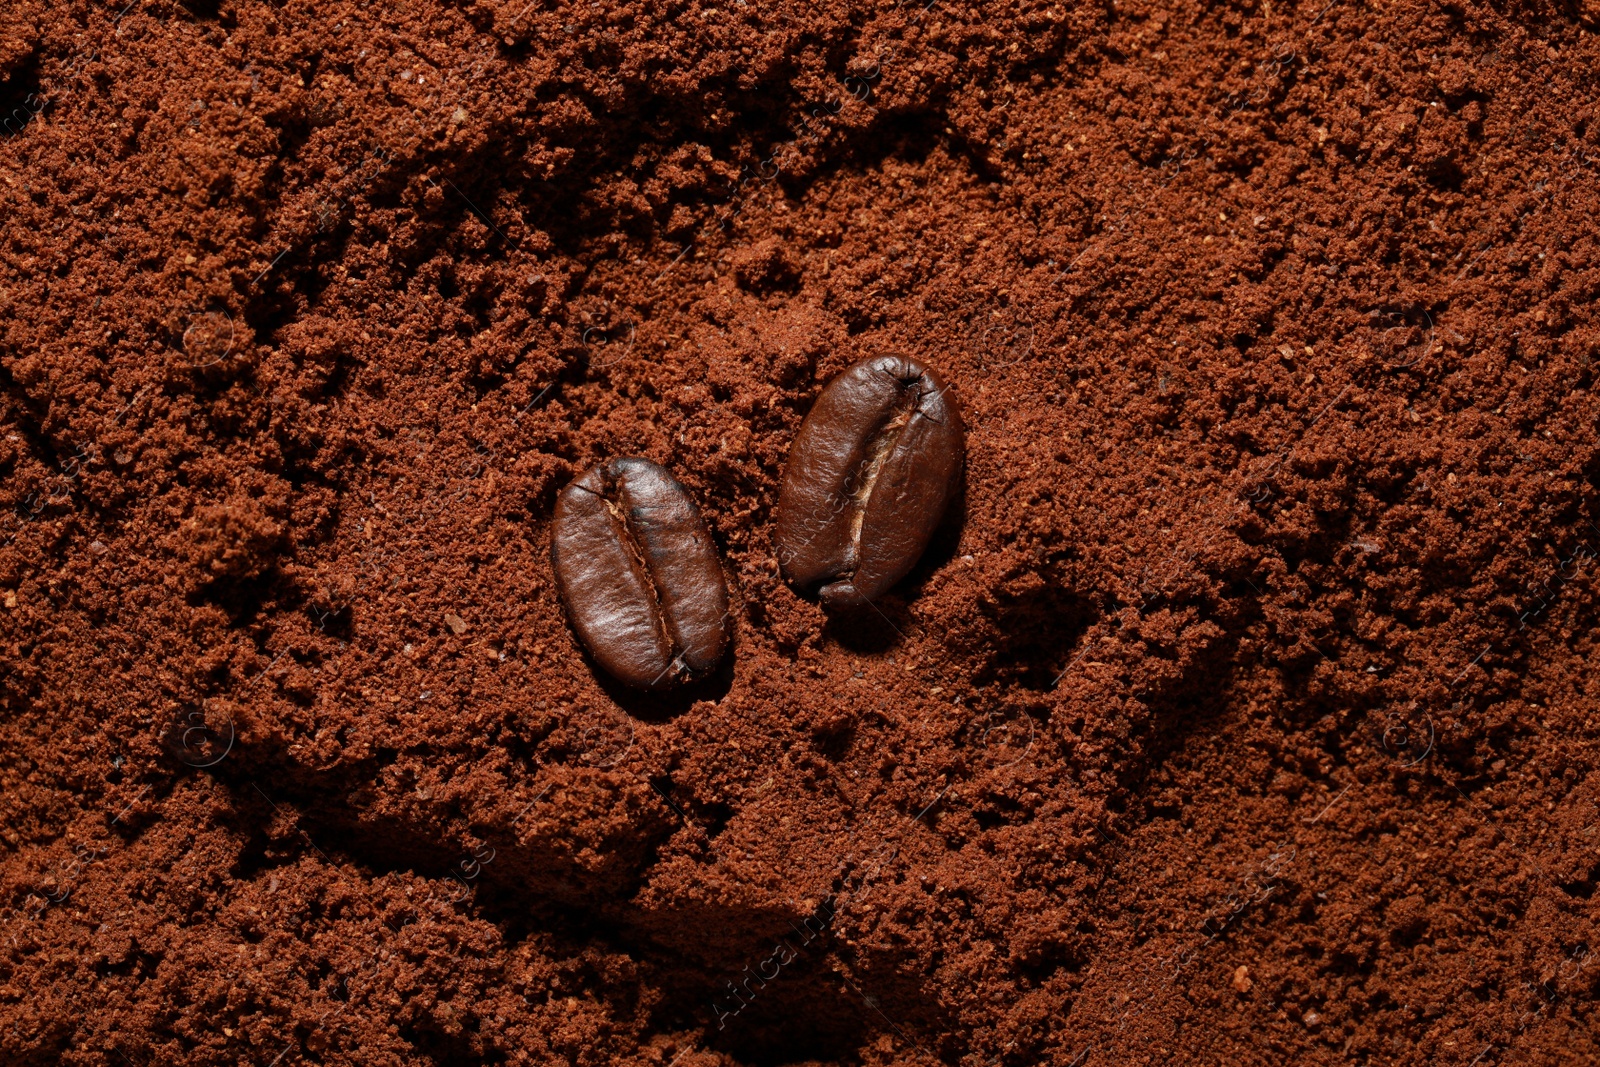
x: 870, y: 475
x: 639, y: 575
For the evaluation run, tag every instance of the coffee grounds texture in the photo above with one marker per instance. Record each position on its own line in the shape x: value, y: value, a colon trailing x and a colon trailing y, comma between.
x: 1241, y: 712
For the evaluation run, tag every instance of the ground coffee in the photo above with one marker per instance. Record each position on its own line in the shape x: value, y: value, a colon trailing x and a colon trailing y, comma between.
x: 1243, y: 713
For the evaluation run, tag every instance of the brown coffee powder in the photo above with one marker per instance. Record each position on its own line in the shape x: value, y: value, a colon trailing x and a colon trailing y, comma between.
x: 1257, y: 643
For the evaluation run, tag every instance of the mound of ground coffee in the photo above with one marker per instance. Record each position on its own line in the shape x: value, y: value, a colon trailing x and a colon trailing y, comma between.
x: 1241, y: 710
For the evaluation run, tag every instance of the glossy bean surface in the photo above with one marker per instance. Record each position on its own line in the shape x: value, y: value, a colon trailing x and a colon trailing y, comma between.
x: 872, y: 471
x: 638, y: 573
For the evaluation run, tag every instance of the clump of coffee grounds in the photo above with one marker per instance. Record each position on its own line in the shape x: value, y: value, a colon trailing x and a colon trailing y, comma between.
x: 1241, y: 713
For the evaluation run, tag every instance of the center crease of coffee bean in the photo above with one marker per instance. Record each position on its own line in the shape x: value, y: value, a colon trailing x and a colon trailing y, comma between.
x: 627, y: 531
x: 883, y: 441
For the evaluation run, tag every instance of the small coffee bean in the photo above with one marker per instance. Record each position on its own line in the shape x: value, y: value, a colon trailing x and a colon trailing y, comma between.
x: 638, y: 573
x: 870, y: 475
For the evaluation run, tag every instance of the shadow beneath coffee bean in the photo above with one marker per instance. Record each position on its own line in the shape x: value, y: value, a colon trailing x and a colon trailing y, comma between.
x: 668, y: 704
x: 868, y: 631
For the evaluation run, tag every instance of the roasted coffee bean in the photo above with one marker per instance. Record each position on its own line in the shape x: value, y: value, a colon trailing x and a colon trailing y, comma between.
x: 870, y: 475
x: 639, y: 575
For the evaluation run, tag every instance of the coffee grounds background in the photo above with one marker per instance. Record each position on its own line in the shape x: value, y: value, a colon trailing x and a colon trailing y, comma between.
x: 1242, y: 713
